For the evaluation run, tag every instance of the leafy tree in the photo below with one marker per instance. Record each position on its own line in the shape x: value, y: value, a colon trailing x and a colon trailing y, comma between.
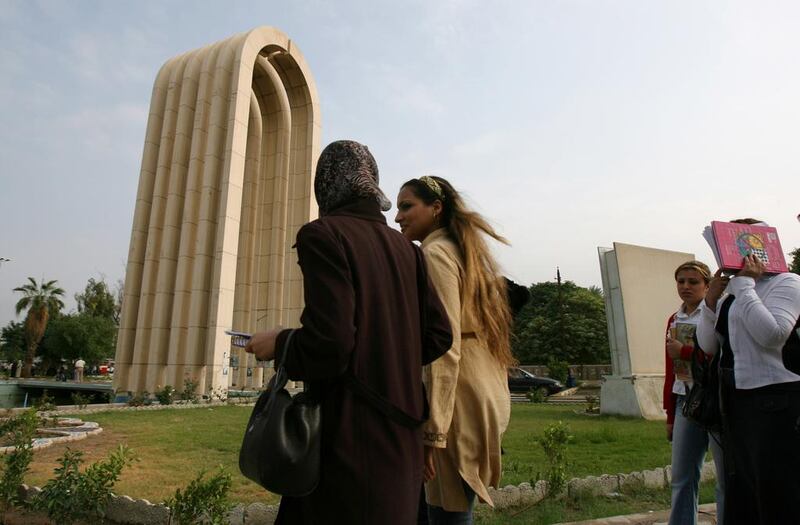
x: 41, y: 301
x: 98, y: 301
x: 794, y: 265
x: 12, y: 341
x: 568, y: 327
x: 92, y: 338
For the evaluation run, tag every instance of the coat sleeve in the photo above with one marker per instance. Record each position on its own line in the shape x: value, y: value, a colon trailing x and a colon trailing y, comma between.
x: 321, y: 348
x: 706, y: 328
x: 770, y: 322
x: 438, y: 335
x: 442, y: 374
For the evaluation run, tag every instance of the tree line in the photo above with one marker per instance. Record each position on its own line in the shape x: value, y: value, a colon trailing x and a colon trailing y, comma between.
x: 49, y: 333
x: 561, y: 323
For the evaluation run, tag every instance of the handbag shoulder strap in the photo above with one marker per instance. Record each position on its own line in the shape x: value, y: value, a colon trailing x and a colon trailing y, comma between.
x: 281, y: 376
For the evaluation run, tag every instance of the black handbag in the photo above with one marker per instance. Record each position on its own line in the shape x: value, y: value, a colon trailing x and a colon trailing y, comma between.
x: 701, y: 405
x: 281, y: 446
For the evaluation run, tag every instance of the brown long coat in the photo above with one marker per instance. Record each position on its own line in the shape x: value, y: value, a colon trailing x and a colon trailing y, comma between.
x: 362, y: 311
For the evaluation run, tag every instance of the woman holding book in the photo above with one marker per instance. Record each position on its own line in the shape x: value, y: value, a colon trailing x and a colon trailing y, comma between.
x: 689, y: 441
x: 749, y: 318
x: 467, y: 387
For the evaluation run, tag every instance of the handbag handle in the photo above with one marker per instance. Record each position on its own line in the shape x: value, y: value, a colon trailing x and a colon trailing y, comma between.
x: 281, y: 376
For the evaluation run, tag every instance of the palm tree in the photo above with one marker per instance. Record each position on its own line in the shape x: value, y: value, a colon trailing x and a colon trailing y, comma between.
x: 39, y: 301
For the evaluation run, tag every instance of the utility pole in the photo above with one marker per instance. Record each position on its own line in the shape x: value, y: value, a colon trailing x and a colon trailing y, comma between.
x: 560, y: 313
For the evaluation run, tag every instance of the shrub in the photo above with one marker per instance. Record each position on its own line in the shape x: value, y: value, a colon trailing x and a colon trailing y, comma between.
x: 44, y: 403
x: 79, y: 400
x: 189, y: 393
x: 74, y: 495
x: 217, y: 394
x: 554, y: 442
x: 165, y: 395
x: 202, y: 501
x: 21, y: 430
x: 535, y: 395
x: 139, y: 399
x: 593, y: 403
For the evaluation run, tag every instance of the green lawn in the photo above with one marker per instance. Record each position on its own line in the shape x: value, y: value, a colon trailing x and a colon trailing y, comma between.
x: 584, y: 508
x: 174, y: 445
x: 600, y: 445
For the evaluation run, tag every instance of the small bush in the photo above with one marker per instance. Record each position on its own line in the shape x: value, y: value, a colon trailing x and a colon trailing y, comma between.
x: 165, y: 395
x: 202, y: 501
x: 79, y: 400
x: 535, y: 395
x: 139, y: 399
x: 45, y: 403
x: 21, y: 430
x: 189, y: 393
x: 593, y: 403
x: 217, y: 394
x: 554, y: 442
x: 74, y: 495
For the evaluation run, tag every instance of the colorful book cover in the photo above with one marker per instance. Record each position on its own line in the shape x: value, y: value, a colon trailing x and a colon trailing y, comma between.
x: 684, y: 332
x: 735, y: 241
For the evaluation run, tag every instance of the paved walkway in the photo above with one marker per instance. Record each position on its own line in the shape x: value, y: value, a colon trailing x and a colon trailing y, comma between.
x: 707, y: 516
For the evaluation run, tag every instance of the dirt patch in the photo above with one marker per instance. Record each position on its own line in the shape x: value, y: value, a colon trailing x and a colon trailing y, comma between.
x: 95, y: 447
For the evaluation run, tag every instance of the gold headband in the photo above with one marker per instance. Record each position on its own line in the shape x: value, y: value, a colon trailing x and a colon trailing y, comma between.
x: 432, y: 185
x: 697, y: 266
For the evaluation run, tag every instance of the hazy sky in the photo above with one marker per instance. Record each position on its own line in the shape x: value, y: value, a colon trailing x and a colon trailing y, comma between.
x: 570, y: 124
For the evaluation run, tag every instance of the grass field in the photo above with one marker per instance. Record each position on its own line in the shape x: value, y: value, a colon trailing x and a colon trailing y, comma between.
x: 175, y: 445
x: 600, y: 445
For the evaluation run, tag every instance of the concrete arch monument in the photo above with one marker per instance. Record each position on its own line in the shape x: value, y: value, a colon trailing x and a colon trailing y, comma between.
x: 226, y: 180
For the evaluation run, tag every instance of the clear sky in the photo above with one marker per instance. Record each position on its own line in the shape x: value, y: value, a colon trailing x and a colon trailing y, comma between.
x: 570, y: 124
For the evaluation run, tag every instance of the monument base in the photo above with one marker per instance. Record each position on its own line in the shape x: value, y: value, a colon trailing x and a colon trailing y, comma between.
x: 638, y: 395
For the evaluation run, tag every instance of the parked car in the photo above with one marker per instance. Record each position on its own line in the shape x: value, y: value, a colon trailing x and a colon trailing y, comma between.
x: 521, y: 382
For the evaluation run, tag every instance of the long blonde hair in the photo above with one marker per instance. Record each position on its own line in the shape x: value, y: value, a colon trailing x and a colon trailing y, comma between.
x: 484, y: 291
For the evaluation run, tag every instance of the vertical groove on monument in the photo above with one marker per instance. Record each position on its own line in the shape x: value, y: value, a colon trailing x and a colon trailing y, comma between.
x: 231, y: 142
x: 153, y: 251
x: 181, y: 333
x: 248, y: 237
x: 135, y: 266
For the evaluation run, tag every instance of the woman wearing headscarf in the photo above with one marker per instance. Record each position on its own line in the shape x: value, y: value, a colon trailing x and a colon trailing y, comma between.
x: 371, y: 321
x: 468, y: 387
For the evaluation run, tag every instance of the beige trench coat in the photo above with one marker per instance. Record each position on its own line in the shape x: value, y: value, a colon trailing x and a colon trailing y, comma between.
x: 467, y: 390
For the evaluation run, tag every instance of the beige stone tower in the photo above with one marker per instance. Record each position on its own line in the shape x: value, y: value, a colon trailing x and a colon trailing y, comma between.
x: 226, y: 180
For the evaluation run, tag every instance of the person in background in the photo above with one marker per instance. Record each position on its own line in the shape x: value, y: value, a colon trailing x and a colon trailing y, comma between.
x: 749, y: 318
x: 371, y: 320
x: 468, y: 387
x: 689, y: 441
x: 80, y: 364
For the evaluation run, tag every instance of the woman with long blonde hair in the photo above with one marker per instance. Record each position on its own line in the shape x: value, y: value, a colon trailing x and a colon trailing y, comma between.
x: 467, y: 388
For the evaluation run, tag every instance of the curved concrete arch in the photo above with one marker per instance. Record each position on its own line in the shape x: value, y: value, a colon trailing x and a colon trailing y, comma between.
x: 232, y: 139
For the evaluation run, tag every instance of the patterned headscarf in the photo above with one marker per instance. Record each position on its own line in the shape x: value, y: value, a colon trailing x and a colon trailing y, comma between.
x: 346, y: 170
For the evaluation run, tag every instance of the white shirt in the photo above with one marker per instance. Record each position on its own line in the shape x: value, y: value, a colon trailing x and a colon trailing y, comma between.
x: 681, y: 387
x: 80, y: 363
x: 760, y: 321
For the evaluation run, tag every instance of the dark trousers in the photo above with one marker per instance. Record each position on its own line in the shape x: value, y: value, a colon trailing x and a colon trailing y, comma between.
x: 762, y: 453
